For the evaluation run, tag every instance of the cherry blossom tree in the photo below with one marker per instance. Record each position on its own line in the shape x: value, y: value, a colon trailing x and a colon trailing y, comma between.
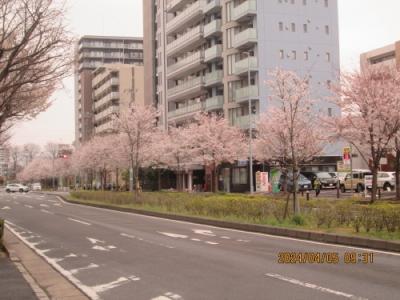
x: 30, y: 151
x: 288, y: 133
x: 136, y: 127
x: 370, y: 102
x: 38, y: 169
x: 214, y: 141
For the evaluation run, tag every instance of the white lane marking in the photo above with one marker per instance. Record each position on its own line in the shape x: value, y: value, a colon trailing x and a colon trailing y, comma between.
x: 196, y: 240
x: 203, y: 232
x: 100, y: 248
x: 52, y: 201
x: 314, y: 286
x: 168, y: 296
x: 28, y: 206
x: 71, y: 255
x: 146, y: 241
x: 44, y: 205
x: 47, y: 212
x: 243, y: 241
x: 264, y: 235
x: 174, y: 235
x: 77, y: 270
x: 94, y: 241
x: 57, y: 204
x: 79, y: 221
x: 107, y: 286
x: 6, y: 208
x: 225, y: 237
x: 211, y: 243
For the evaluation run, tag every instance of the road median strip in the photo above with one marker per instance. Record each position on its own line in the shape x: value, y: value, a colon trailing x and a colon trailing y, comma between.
x: 329, y: 238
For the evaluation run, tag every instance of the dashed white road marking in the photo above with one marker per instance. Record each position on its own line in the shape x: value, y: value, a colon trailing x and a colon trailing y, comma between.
x: 225, y: 237
x: 57, y: 204
x: 47, y: 212
x: 77, y: 270
x: 174, y: 235
x: 211, y: 243
x: 204, y: 232
x: 243, y: 241
x: 314, y: 286
x: 196, y: 240
x: 6, y: 208
x: 150, y: 242
x: 28, y: 206
x: 44, y: 205
x: 79, y: 221
x: 95, y: 241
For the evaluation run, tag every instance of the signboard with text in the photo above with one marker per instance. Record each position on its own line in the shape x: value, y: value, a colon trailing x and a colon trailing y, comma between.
x: 262, y: 183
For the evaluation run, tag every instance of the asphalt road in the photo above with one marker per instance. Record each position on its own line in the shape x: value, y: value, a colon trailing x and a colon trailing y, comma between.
x: 114, y: 255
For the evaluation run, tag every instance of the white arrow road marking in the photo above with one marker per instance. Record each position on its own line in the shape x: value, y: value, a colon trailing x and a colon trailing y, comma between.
x: 77, y: 270
x: 174, y: 235
x: 6, y: 208
x: 79, y: 221
x: 168, y: 296
x: 204, y: 232
x: 94, y: 241
x: 107, y: 286
x: 314, y: 286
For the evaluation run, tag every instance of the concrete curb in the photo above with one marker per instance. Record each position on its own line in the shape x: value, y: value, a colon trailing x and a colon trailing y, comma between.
x: 328, y: 238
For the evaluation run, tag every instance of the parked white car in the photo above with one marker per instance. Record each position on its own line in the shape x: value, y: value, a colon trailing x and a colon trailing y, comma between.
x: 16, y: 187
x: 36, y: 186
x: 387, y: 180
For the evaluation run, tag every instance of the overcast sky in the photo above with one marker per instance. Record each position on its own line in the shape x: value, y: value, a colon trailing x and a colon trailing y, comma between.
x: 364, y: 25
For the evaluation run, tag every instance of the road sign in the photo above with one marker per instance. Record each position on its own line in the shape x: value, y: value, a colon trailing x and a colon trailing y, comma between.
x: 346, y: 155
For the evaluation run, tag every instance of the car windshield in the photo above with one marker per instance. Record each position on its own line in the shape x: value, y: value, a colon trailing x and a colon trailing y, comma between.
x: 324, y: 175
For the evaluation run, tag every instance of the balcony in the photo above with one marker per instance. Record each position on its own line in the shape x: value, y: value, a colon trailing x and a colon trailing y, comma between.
x: 243, y: 122
x: 215, y: 52
x: 175, y: 5
x: 214, y: 103
x: 106, y: 127
x: 245, y: 39
x: 187, y: 65
x: 214, y: 78
x: 242, y: 66
x: 190, y: 40
x: 103, y: 101
x: 191, y: 15
x: 246, y: 93
x: 212, y: 28
x: 184, y: 111
x: 108, y: 112
x: 245, y: 11
x: 186, y: 89
x: 212, y: 6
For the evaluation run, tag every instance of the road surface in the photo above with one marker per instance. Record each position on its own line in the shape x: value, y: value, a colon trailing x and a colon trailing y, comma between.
x: 115, y: 255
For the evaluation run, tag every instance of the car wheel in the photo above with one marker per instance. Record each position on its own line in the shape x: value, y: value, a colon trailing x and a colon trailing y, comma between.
x: 7, y: 191
x: 21, y: 190
x: 359, y: 188
x: 387, y: 187
x: 343, y: 189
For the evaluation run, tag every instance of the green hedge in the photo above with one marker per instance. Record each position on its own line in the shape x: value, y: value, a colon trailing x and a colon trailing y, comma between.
x: 318, y: 214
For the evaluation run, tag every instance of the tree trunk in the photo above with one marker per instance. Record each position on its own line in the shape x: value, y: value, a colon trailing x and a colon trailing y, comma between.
x: 374, y: 181
x: 116, y: 179
x: 296, y: 202
x: 286, y: 207
x: 215, y: 181
x: 159, y: 179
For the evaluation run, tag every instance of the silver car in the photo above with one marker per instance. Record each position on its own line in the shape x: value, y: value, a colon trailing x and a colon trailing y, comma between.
x: 387, y: 180
x: 16, y: 187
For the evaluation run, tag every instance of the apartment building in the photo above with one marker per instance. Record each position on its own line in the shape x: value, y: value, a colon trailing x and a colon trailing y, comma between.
x: 388, y: 55
x: 114, y: 87
x: 92, y: 52
x: 4, y: 161
x: 215, y: 55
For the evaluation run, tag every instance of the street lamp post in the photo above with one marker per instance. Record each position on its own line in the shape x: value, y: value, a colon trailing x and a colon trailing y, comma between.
x: 250, y: 126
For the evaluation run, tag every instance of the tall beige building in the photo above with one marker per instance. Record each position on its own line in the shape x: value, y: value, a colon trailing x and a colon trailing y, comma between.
x: 215, y: 55
x: 115, y: 87
x: 388, y: 55
x: 91, y: 53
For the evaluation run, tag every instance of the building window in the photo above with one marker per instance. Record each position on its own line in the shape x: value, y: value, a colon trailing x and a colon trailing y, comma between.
x: 326, y: 3
x: 305, y: 28
x: 305, y: 55
x: 239, y: 176
x: 294, y: 54
x: 281, y: 54
x: 293, y: 27
x: 328, y: 56
x: 280, y: 26
x: 326, y: 29
x: 329, y: 112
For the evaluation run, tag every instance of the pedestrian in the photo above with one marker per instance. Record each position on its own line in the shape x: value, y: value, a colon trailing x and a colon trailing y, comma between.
x: 317, y: 186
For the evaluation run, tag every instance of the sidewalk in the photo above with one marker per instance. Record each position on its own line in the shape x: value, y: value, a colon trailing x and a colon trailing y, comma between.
x: 13, y: 286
